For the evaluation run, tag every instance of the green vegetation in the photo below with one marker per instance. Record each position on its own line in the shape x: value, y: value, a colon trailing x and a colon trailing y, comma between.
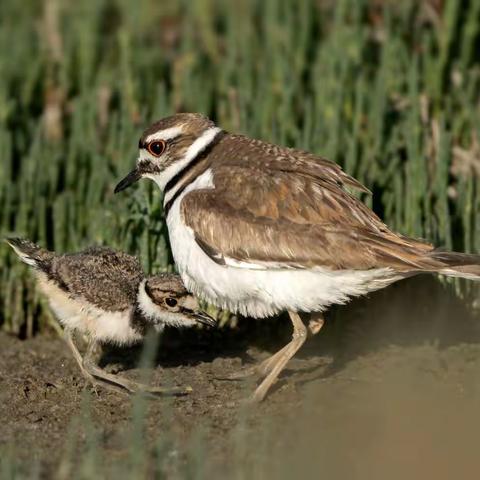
x: 390, y: 90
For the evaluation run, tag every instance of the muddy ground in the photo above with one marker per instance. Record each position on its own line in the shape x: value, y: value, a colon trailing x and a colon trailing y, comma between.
x: 389, y: 388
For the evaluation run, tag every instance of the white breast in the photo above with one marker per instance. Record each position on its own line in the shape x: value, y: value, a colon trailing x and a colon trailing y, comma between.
x: 261, y: 291
x: 80, y: 315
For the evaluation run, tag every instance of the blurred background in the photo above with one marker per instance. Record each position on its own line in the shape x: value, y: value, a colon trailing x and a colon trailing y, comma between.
x: 388, y: 89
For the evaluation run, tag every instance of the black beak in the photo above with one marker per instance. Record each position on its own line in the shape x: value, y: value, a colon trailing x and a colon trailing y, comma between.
x: 205, y: 319
x: 130, y: 179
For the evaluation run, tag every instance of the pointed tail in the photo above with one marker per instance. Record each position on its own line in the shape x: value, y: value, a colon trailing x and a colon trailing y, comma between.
x: 30, y: 253
x: 455, y: 264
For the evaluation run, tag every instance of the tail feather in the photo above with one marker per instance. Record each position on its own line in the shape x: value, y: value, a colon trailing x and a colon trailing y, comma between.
x: 30, y: 253
x: 455, y: 264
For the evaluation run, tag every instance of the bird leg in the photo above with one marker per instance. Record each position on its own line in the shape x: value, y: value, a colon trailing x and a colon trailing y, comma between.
x: 81, y: 363
x: 130, y: 386
x: 280, y: 359
x: 96, y: 375
x: 262, y: 369
x: 315, y: 324
x: 78, y: 357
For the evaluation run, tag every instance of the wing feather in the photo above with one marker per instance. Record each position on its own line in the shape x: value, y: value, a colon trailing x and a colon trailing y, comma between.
x: 293, y: 220
x: 104, y: 277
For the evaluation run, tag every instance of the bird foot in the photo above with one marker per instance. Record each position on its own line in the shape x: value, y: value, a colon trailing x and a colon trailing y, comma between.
x: 262, y: 369
x: 241, y: 374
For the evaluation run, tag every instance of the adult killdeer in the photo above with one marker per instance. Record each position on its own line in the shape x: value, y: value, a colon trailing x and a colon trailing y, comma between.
x: 257, y: 228
x: 105, y: 295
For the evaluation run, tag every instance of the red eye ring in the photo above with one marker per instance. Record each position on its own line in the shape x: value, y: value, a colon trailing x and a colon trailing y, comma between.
x: 156, y: 147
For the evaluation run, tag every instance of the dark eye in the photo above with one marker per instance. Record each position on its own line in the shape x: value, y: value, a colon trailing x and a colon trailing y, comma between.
x: 156, y: 147
x: 171, y: 302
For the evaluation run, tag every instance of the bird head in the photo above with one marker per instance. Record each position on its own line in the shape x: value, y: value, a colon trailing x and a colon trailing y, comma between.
x: 164, y: 301
x: 168, y: 146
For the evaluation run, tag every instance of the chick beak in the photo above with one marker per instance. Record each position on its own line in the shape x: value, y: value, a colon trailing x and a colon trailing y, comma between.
x: 130, y: 179
x: 205, y: 319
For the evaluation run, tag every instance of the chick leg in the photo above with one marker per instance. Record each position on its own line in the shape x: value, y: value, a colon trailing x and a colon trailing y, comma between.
x: 78, y: 357
x: 117, y: 381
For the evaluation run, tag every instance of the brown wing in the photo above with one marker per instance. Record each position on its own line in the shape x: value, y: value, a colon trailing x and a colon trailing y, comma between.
x: 104, y: 277
x: 293, y: 220
x: 236, y: 150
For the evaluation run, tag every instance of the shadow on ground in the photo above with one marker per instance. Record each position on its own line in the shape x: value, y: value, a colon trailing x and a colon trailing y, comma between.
x: 388, y: 388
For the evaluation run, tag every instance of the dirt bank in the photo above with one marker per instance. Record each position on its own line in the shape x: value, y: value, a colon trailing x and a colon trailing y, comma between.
x: 390, y: 387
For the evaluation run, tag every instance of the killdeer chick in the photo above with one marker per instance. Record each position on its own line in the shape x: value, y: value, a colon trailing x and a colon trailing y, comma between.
x: 104, y: 294
x: 258, y: 229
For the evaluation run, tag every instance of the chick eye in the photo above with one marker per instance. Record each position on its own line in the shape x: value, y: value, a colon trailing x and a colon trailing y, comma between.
x: 171, y: 302
x: 156, y: 147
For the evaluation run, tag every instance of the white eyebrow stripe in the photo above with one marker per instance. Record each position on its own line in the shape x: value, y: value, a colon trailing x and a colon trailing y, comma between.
x: 149, y: 309
x: 166, y: 134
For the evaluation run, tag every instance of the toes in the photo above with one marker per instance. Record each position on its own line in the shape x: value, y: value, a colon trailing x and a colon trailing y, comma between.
x: 257, y: 396
x: 167, y: 391
x: 241, y: 375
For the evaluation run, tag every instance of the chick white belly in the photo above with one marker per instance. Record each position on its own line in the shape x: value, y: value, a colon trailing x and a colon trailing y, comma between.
x: 79, y: 315
x: 261, y: 292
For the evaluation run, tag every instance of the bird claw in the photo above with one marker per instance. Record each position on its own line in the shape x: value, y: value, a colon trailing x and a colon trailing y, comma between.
x: 165, y: 391
x: 241, y: 374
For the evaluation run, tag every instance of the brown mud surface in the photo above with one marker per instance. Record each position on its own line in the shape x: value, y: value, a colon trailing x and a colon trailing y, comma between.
x: 389, y: 388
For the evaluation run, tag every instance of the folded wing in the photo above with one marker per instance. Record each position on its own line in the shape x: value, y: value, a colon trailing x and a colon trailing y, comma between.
x: 102, y: 276
x: 289, y: 219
